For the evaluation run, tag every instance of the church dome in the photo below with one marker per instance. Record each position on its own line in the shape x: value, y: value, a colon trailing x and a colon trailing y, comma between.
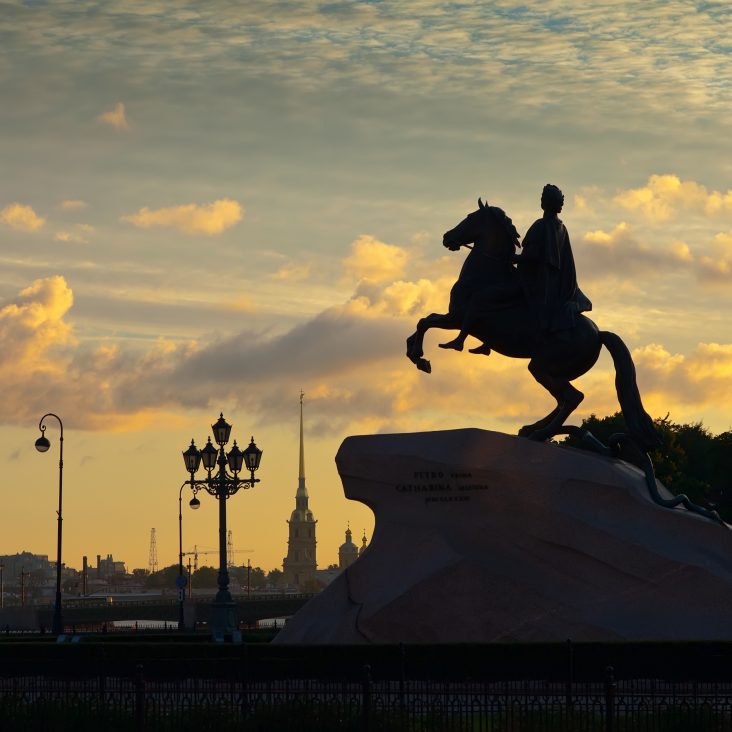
x: 348, y: 547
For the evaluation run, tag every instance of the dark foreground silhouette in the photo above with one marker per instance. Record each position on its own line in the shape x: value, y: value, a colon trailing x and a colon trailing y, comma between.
x: 489, y: 301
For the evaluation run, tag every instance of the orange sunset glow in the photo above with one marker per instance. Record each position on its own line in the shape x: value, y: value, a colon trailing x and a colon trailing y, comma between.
x: 208, y: 207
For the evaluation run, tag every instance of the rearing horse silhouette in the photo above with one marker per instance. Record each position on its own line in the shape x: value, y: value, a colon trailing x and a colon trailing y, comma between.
x: 509, y: 328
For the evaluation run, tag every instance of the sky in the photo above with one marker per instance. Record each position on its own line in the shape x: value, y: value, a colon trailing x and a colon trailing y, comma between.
x: 208, y: 207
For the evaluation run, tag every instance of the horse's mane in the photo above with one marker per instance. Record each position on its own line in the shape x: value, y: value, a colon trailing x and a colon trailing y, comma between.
x: 507, y: 225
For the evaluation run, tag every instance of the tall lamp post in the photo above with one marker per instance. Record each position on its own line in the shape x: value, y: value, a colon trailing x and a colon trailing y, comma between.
x: 222, y: 485
x: 42, y: 445
x: 181, y: 581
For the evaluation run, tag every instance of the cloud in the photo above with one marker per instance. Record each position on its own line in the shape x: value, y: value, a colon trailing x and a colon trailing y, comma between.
x: 401, y: 298
x: 374, y: 260
x: 293, y: 271
x: 242, y: 304
x: 76, y: 237
x: 619, y: 252
x: 702, y: 378
x: 21, y: 217
x: 349, y: 359
x: 666, y: 196
x: 115, y: 118
x: 209, y: 219
x: 717, y: 267
x: 73, y: 204
x: 32, y: 329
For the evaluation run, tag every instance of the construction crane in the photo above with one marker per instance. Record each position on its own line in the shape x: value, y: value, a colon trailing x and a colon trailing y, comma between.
x: 205, y: 550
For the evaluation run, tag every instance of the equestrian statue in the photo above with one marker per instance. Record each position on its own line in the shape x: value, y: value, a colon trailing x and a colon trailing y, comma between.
x: 522, y: 300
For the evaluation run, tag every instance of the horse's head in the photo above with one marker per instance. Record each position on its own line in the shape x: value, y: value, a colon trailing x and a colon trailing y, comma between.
x: 488, y: 228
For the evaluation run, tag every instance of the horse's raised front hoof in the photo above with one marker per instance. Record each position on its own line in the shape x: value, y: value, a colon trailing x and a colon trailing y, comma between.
x: 413, y: 352
x: 424, y: 365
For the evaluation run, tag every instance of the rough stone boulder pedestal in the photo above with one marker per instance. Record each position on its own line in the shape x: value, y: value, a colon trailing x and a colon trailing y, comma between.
x: 486, y: 537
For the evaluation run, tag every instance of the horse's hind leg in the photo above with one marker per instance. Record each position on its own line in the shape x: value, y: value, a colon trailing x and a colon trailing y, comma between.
x: 568, y: 399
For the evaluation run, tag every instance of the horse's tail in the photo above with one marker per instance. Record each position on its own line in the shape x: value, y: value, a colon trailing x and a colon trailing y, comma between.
x: 638, y: 421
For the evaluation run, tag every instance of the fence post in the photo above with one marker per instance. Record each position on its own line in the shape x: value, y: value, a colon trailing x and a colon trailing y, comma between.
x: 139, y: 699
x: 402, y: 675
x: 366, y: 699
x: 610, y: 687
x: 570, y: 677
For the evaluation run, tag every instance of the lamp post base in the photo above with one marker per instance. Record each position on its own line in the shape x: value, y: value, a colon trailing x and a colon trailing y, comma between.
x: 223, y: 619
x: 57, y: 624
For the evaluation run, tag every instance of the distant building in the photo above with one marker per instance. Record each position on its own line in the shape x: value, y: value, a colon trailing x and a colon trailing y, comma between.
x: 14, y: 564
x: 364, y: 544
x: 348, y: 551
x: 347, y: 555
x: 107, y: 568
x: 299, y: 566
x: 27, y: 577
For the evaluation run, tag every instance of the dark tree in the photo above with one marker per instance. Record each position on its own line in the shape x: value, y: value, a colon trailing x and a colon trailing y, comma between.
x: 164, y: 578
x: 205, y: 577
x: 274, y: 577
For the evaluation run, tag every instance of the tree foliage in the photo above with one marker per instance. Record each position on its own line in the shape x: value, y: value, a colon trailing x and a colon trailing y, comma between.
x: 164, y: 578
x: 691, y: 460
x: 205, y: 577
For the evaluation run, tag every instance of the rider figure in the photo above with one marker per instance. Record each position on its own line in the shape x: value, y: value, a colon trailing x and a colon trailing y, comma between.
x: 547, y: 273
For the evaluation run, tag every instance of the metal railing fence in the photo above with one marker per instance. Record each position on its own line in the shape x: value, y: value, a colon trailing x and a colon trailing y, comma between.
x: 111, y: 702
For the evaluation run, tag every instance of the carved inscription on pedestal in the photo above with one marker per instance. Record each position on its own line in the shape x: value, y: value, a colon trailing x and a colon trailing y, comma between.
x: 436, y: 486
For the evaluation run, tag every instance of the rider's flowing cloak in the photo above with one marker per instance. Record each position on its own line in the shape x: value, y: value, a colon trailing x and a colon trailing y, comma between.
x: 548, y: 275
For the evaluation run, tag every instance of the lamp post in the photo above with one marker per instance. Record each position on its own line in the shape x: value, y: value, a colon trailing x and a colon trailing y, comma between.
x: 181, y: 582
x: 42, y: 445
x: 222, y: 485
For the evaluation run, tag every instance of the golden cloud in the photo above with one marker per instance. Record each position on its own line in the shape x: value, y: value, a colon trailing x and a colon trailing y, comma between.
x: 618, y: 251
x: 717, y: 266
x: 115, y: 118
x: 73, y: 204
x: 21, y: 217
x: 375, y: 260
x: 610, y: 240
x: 702, y: 378
x: 32, y: 325
x: 401, y: 298
x: 191, y: 218
x: 334, y: 356
x: 664, y: 196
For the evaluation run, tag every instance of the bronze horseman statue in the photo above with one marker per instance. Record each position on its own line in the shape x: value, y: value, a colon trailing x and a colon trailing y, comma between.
x: 528, y: 305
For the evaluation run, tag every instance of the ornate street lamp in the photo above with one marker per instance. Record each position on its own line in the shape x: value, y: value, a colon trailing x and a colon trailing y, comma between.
x: 221, y: 484
x: 42, y: 445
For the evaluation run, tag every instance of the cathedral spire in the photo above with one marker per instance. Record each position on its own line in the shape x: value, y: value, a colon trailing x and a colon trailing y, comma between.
x: 300, y: 565
x: 302, y: 491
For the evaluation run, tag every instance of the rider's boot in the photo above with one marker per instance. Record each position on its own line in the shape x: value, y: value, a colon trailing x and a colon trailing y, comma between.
x: 483, y: 349
x: 457, y: 344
